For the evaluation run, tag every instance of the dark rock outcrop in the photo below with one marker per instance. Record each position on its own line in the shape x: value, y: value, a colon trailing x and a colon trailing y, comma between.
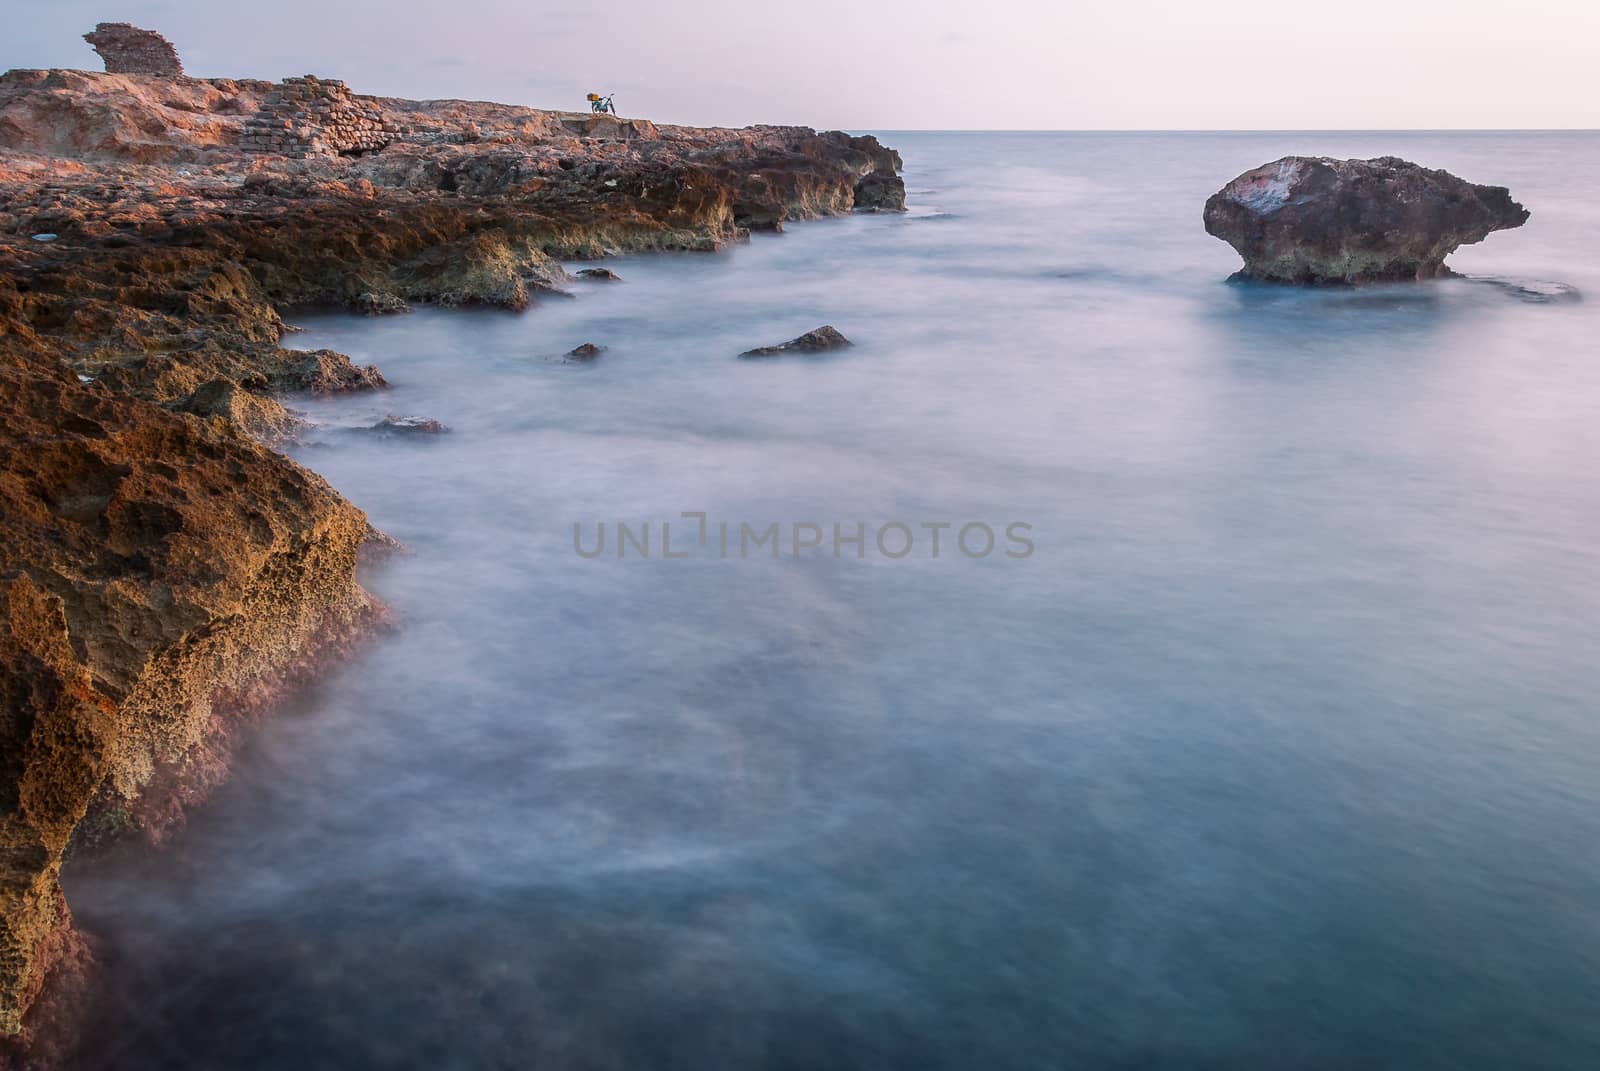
x: 1319, y: 220
x: 126, y: 49
x: 818, y: 341
x: 879, y: 187
x: 599, y: 275
x: 408, y: 425
x: 1531, y: 291
x: 586, y: 352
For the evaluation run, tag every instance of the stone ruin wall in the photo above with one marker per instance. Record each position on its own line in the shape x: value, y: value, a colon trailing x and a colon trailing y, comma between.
x: 126, y: 49
x: 311, y: 116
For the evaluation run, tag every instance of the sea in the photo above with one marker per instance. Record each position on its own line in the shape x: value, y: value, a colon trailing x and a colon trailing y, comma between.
x: 1100, y: 664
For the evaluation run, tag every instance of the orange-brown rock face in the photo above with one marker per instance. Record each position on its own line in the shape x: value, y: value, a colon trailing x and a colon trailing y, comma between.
x: 57, y: 732
x: 160, y: 577
x: 162, y: 573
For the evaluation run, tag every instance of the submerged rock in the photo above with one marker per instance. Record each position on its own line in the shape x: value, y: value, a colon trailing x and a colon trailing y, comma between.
x: 817, y: 341
x: 878, y: 187
x: 408, y: 425
x: 1318, y: 220
x: 1533, y: 291
x: 599, y: 275
x: 586, y: 352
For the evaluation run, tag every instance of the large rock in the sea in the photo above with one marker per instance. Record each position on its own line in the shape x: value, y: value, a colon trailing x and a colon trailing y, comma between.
x: 1305, y: 219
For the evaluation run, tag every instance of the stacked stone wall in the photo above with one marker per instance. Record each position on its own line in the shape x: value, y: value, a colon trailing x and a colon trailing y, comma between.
x: 126, y: 49
x: 311, y: 116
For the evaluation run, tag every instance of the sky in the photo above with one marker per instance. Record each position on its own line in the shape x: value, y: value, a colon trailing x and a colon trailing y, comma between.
x: 897, y: 65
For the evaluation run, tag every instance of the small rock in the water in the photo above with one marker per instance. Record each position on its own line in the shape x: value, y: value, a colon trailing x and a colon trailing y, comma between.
x: 599, y: 275
x: 586, y: 352
x: 408, y: 425
x: 1308, y: 219
x: 45, y: 237
x: 823, y: 338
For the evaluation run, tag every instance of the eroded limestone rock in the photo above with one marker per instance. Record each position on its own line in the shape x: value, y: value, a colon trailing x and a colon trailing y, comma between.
x: 161, y: 578
x: 1319, y: 220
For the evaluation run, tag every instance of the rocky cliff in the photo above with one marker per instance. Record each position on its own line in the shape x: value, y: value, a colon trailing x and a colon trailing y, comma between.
x: 160, y: 577
x: 162, y: 573
x: 1319, y: 220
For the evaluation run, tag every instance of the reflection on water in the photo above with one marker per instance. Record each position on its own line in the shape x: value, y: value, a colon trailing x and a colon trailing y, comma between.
x: 1279, y: 751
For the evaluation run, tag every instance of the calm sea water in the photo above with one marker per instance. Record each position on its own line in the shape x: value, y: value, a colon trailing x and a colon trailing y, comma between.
x: 1281, y: 750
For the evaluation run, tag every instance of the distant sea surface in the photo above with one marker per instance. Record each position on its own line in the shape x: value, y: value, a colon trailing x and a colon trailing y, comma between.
x: 1281, y: 750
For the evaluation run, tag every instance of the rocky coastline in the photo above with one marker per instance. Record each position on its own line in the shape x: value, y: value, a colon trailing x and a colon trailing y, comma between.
x: 165, y: 575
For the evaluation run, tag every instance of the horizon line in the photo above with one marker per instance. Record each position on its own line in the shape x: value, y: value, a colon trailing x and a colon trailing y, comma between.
x: 1238, y: 130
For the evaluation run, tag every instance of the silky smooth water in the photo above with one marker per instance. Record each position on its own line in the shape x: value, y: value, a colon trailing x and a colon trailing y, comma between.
x: 1281, y: 750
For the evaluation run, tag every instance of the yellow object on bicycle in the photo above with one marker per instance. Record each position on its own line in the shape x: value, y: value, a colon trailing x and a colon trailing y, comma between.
x: 592, y: 97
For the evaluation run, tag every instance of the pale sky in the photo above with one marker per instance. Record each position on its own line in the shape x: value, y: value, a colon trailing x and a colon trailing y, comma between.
x: 895, y: 65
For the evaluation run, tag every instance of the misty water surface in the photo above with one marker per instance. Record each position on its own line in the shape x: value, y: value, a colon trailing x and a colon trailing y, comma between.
x: 1279, y: 751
